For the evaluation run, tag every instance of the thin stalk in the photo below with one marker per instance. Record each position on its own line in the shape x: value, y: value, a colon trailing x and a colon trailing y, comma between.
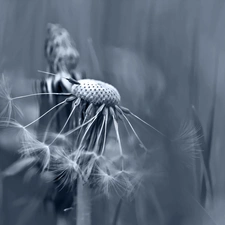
x: 45, y: 113
x: 38, y: 94
x: 83, y: 204
x: 117, y: 213
x: 94, y: 58
x: 51, y: 120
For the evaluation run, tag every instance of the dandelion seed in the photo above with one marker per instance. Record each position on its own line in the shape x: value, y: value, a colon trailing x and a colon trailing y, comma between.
x: 188, y: 141
x: 109, y: 179
x: 33, y: 147
x: 106, y: 181
x: 9, y: 106
x: 64, y: 166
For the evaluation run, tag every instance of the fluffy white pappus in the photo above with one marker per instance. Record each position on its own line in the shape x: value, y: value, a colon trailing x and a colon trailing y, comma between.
x: 108, y: 183
x: 107, y: 178
x: 33, y: 147
x: 30, y: 146
x: 64, y: 166
x: 8, y: 108
x: 188, y: 143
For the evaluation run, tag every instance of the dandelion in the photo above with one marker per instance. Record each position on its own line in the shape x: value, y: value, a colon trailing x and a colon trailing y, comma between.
x: 77, y: 151
x: 96, y: 108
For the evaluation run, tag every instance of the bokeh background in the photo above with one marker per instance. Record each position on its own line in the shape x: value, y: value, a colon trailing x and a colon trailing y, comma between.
x: 164, y: 56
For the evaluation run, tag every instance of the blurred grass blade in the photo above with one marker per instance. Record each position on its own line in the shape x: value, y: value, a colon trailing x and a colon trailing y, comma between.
x: 206, y: 182
x: 210, y: 127
x: 29, y: 211
x: 18, y: 166
x: 117, y: 213
x: 94, y: 59
x: 1, y: 199
x: 202, y: 212
x: 83, y: 204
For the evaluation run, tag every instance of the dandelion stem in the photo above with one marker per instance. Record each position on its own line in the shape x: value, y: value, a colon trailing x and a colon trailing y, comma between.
x: 46, y: 113
x: 83, y: 204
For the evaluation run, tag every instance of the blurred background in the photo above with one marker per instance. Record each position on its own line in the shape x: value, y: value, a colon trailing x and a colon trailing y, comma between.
x: 165, y: 57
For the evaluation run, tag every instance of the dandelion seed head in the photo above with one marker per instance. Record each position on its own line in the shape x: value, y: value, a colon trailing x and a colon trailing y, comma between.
x: 96, y: 92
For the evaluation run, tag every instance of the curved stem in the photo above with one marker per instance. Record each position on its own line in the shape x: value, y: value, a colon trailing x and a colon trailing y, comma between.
x: 38, y: 94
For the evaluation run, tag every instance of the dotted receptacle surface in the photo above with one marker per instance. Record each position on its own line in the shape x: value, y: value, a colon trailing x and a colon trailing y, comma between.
x: 96, y: 92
